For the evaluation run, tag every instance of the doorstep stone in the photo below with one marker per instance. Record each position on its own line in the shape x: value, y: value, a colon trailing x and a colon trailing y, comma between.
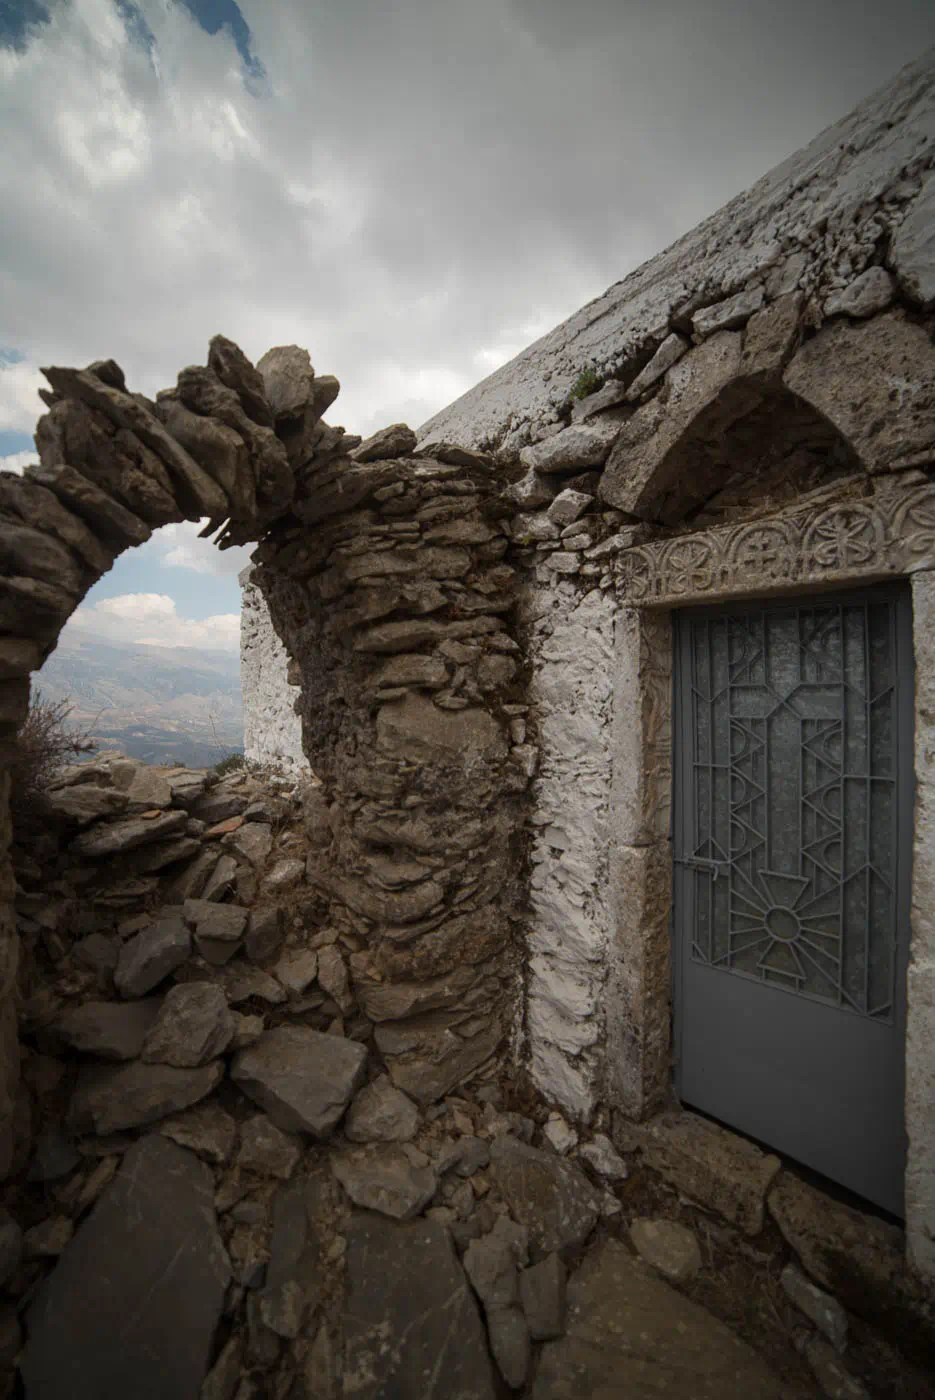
x: 630, y: 1334
x: 715, y: 1167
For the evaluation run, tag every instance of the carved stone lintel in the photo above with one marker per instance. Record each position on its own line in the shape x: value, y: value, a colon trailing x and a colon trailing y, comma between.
x: 892, y: 534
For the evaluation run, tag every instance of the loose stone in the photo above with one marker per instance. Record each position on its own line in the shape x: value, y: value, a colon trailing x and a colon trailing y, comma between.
x: 668, y: 1246
x: 303, y: 1079
x: 380, y: 1177
x: 148, y: 959
x: 542, y: 1292
x: 194, y: 1025
x: 381, y: 1113
x: 267, y: 1150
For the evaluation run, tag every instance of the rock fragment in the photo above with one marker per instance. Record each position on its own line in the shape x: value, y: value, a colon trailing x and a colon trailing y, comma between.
x: 302, y: 1078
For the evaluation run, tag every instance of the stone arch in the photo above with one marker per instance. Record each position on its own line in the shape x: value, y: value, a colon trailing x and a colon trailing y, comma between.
x: 764, y: 413
x: 384, y: 576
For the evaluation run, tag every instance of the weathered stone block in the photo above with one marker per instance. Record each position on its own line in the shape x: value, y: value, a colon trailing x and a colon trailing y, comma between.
x: 716, y: 1168
x: 913, y: 249
x: 303, y: 1079
x: 112, y: 1099
x: 546, y: 1193
x: 148, y: 958
x: 847, y: 373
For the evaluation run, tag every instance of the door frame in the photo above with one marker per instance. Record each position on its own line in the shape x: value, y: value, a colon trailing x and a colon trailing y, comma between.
x: 897, y: 591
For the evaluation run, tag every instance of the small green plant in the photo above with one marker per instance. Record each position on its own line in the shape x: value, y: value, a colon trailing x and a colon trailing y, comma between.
x: 230, y: 764
x: 44, y: 745
x: 588, y: 382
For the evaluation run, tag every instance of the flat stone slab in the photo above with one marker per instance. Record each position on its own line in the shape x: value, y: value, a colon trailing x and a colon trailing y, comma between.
x: 412, y: 1326
x: 132, y: 1305
x: 111, y: 1030
x: 379, y: 1176
x: 630, y: 1334
x: 114, y: 1098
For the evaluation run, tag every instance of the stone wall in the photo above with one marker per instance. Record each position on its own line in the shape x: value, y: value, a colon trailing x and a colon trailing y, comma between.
x: 272, y: 728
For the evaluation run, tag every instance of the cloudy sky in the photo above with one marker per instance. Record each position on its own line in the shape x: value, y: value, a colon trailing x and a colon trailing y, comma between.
x: 413, y: 189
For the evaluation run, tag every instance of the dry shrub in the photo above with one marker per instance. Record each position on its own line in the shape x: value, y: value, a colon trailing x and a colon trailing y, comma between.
x: 44, y: 746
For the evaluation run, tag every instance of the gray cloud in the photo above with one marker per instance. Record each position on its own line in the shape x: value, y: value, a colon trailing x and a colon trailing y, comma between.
x: 418, y: 190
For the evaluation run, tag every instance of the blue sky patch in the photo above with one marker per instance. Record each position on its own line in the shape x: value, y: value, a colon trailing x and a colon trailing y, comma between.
x: 17, y: 18
x: 15, y: 442
x: 214, y: 15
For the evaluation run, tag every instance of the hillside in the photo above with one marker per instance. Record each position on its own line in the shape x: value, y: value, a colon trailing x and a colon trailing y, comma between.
x: 159, y: 704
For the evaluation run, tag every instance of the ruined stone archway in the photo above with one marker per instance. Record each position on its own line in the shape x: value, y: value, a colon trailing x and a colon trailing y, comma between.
x: 384, y: 576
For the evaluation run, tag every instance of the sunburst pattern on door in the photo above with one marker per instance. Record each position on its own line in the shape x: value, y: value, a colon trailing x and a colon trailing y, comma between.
x: 794, y: 822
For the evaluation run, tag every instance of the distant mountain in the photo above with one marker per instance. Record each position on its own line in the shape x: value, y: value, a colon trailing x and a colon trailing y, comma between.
x: 161, y: 704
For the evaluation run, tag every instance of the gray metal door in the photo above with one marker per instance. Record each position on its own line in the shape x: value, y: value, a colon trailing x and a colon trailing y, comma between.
x: 792, y: 842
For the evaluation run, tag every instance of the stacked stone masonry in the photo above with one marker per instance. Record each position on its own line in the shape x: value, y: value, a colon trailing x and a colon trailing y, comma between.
x: 479, y: 619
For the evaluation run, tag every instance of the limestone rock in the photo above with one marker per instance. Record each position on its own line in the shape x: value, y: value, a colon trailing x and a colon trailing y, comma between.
x: 333, y: 978
x: 297, y: 969
x: 221, y: 880
x: 465, y: 1156
x: 913, y: 250
x: 533, y: 490
x: 772, y: 337
x: 148, y: 958
x: 639, y: 471
x: 819, y: 1307
x: 247, y: 1030
x: 114, y: 838
x: 398, y: 440
x: 601, y: 1154
x: 207, y: 1130
x: 874, y: 354
x: 197, y: 494
x: 871, y: 292
x: 218, y: 805
x: 267, y: 1150
x: 112, y: 1099
x: 264, y: 933
x: 545, y: 1193
x: 380, y: 1177
x: 218, y: 928
x: 490, y: 1264
x: 542, y: 1293
x: 381, y: 1113
x: 146, y: 1266
x: 670, y: 351
x: 568, y: 506
x: 715, y: 1167
x: 284, y: 874
x: 107, y: 1029
x: 858, y: 1258
x: 194, y: 1026
x: 295, y: 1274
x: 728, y: 315
x: 629, y: 1333
x: 86, y: 803
x: 576, y: 448
x: 235, y: 371
x: 303, y: 1079
x: 145, y: 787
x: 609, y: 395
x: 241, y: 982
x: 509, y: 1343
x: 405, y: 1282
x: 253, y: 842
x: 288, y: 379
x: 557, y: 1132
x: 667, y: 1246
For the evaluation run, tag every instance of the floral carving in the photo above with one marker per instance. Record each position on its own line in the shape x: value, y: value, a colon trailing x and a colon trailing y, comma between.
x: 892, y: 534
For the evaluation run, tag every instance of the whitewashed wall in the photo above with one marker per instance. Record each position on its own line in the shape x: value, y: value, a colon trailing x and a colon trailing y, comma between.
x: 272, y: 729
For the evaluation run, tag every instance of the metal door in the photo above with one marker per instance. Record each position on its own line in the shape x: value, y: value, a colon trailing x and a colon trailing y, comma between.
x: 792, y: 843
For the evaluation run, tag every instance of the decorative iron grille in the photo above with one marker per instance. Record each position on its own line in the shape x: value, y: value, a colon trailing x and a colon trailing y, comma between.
x: 792, y: 828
